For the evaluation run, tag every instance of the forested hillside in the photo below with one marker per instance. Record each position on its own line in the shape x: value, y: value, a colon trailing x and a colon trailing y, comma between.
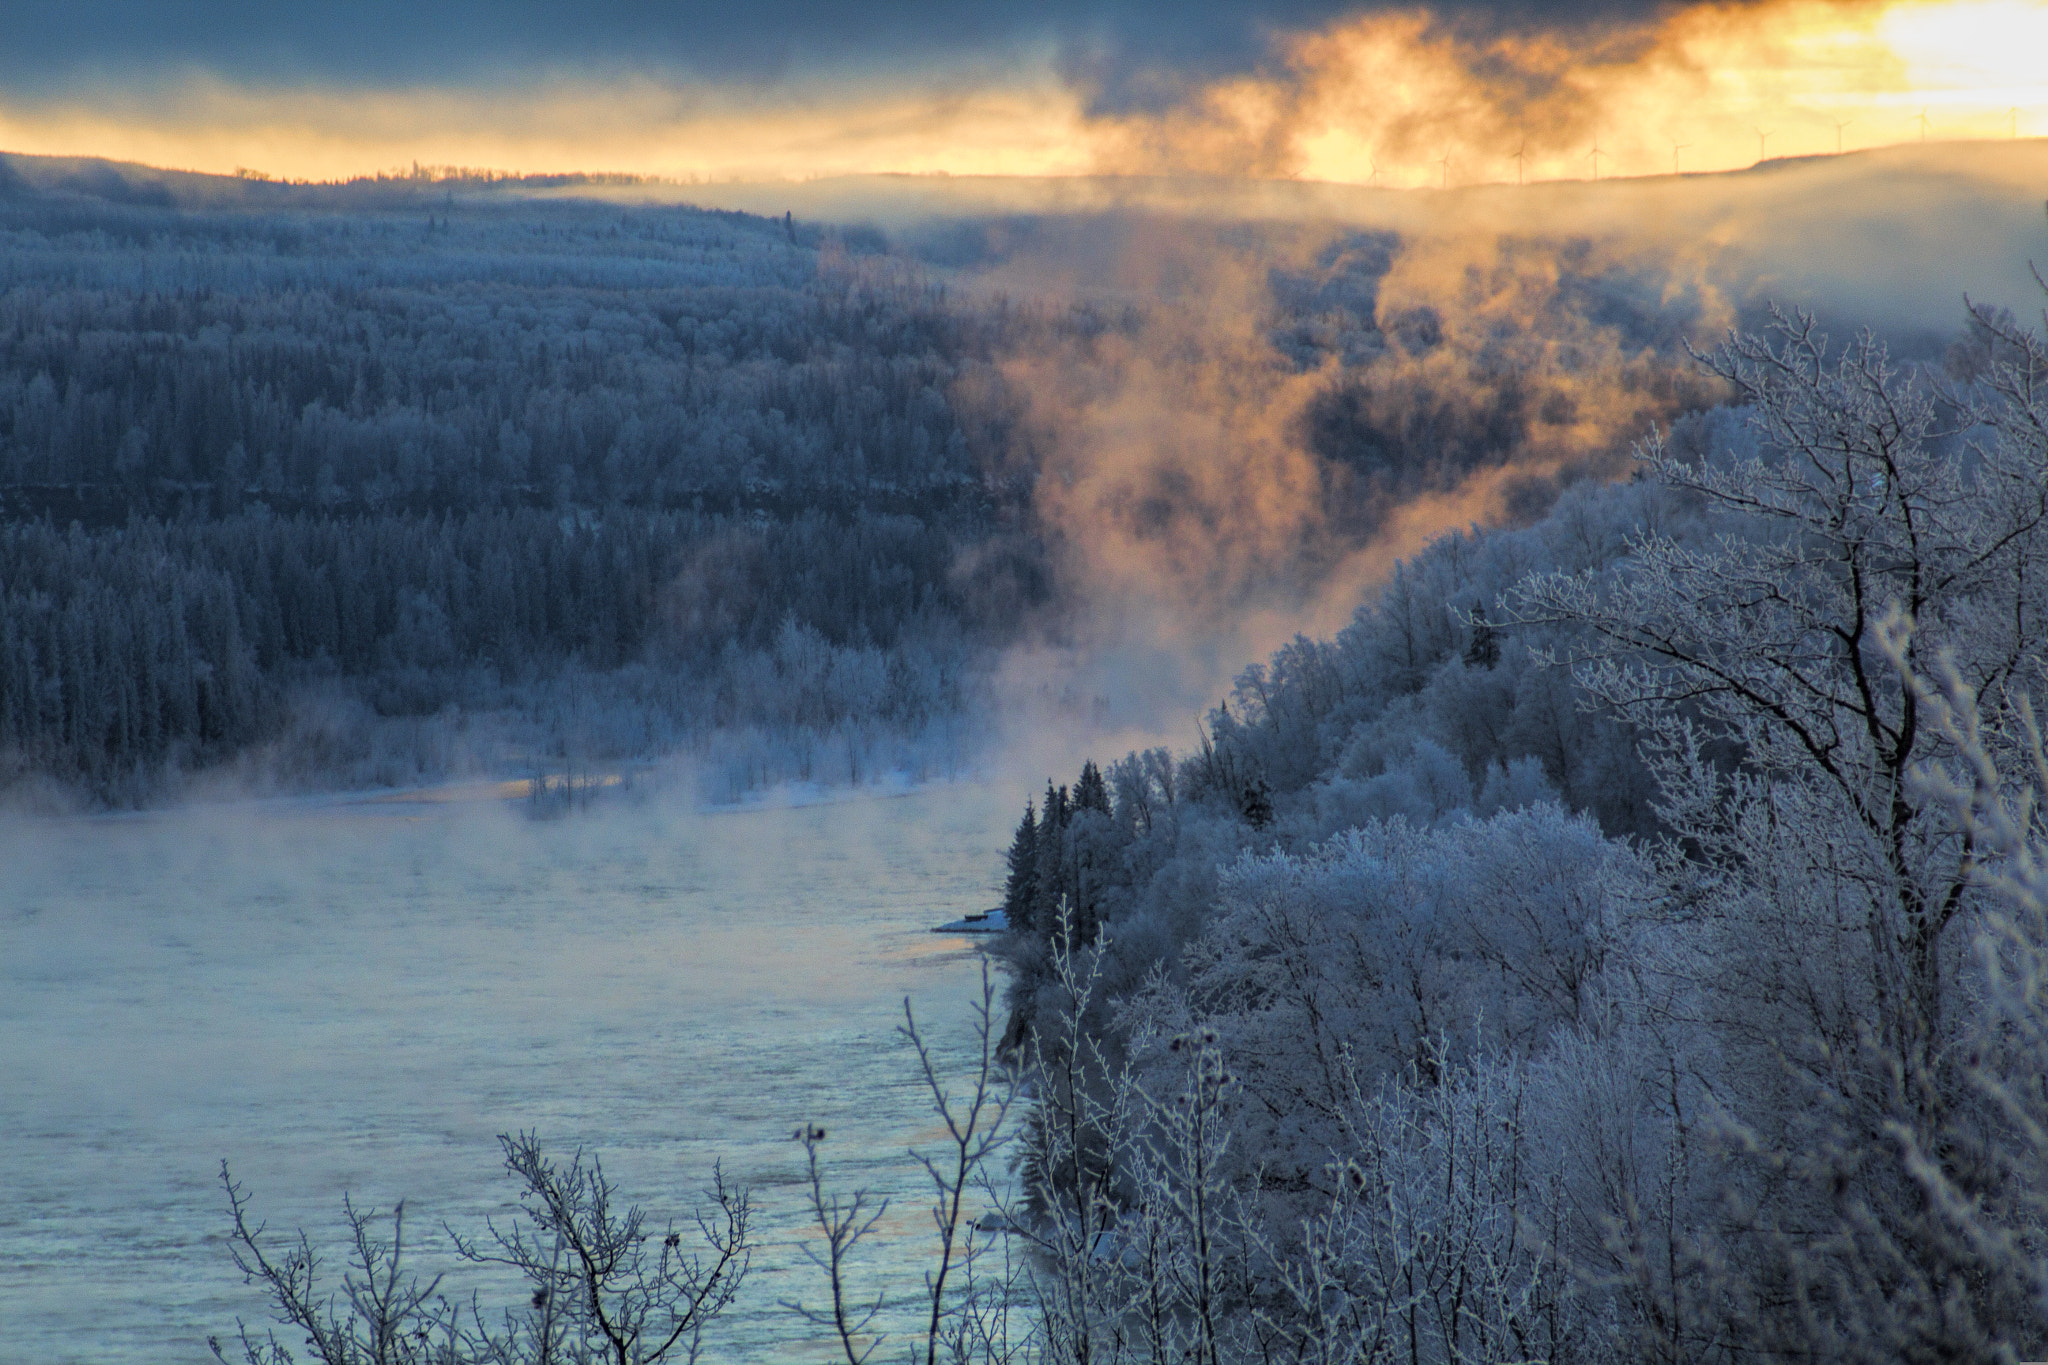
x: 1623, y: 942
x: 275, y: 475
x: 474, y: 357
x: 376, y: 482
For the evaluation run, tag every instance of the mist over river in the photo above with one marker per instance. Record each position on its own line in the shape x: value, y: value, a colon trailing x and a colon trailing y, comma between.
x: 360, y: 995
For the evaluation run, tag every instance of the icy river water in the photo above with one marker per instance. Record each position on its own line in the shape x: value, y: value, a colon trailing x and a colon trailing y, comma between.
x: 359, y: 996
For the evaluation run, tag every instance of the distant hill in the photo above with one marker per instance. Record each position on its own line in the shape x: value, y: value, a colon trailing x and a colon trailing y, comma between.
x: 742, y: 451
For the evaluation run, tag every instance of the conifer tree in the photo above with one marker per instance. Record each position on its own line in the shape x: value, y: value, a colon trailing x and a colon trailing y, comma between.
x: 1051, y: 880
x: 1091, y: 792
x: 1023, y: 872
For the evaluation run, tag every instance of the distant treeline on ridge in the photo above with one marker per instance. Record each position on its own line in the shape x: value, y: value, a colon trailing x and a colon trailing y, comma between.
x: 281, y: 465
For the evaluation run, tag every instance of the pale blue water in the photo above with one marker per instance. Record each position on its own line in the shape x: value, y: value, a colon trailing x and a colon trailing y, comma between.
x: 361, y: 996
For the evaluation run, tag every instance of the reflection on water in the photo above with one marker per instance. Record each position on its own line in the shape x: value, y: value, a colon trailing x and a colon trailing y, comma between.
x: 361, y: 997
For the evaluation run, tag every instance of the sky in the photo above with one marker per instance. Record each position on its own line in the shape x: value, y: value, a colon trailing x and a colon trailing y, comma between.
x: 1470, y: 92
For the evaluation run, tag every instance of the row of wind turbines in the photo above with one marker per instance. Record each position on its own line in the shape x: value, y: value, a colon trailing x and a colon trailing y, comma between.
x: 1763, y: 137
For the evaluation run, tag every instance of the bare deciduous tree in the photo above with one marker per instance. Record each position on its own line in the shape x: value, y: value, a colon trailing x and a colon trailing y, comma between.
x: 598, y: 1292
x: 1823, y: 915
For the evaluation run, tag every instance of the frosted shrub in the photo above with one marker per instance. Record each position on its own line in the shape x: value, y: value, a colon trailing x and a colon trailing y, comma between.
x: 1435, y: 1241
x: 1346, y: 961
x: 1517, y: 784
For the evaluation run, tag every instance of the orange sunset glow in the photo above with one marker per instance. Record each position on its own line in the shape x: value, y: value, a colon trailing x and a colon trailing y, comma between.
x: 1398, y: 100
x: 1395, y: 98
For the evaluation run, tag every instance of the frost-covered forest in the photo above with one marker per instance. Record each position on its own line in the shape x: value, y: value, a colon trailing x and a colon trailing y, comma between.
x: 381, y: 482
x: 1625, y: 941
x: 280, y: 484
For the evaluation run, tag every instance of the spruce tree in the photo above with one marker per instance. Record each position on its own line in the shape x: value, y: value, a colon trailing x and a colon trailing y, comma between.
x: 1051, y: 880
x: 1091, y: 792
x: 1023, y: 872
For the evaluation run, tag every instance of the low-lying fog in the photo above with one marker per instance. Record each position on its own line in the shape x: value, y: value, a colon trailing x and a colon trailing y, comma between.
x: 359, y: 996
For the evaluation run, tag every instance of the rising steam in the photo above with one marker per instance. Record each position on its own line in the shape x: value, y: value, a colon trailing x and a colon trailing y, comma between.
x: 1291, y: 409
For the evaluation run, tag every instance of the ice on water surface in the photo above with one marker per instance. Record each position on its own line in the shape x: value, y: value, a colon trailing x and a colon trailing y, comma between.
x: 361, y: 996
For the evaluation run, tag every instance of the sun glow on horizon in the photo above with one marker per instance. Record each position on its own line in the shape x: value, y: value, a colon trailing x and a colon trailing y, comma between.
x: 1397, y: 99
x: 1392, y: 98
x: 635, y: 127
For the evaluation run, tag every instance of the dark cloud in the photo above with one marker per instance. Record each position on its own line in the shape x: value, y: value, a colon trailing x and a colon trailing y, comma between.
x: 1146, y: 58
x: 1130, y: 54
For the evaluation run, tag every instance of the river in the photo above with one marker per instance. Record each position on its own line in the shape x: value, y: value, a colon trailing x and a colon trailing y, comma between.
x: 358, y: 996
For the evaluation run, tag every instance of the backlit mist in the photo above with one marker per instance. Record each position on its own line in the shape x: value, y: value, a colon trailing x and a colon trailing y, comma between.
x: 1395, y: 96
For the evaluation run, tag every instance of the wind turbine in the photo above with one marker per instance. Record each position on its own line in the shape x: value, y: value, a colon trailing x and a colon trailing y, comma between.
x: 1596, y: 158
x: 1923, y: 123
x: 1445, y: 162
x: 1519, y: 151
x: 1839, y: 126
x: 1760, y: 136
x: 1676, y: 148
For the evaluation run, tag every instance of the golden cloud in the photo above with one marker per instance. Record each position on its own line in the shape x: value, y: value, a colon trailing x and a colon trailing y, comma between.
x: 1401, y: 98
x: 1404, y: 99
